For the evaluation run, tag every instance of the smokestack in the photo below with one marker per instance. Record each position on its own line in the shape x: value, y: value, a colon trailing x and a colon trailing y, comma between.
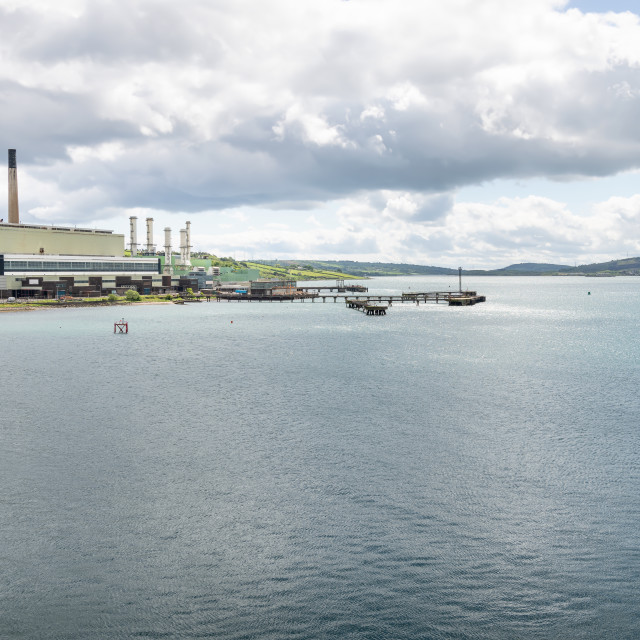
x: 168, y: 269
x: 183, y: 246
x: 14, y: 214
x: 150, y: 235
x: 188, y: 243
x: 133, y: 220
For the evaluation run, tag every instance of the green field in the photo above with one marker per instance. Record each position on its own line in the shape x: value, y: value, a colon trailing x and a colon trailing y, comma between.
x: 297, y: 272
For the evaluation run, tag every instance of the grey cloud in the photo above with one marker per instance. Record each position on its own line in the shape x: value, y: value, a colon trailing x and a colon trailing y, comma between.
x: 42, y: 123
x: 346, y: 247
x: 294, y: 205
x: 522, y: 238
x: 337, y: 70
x: 437, y: 243
x: 111, y: 32
x: 350, y: 246
x: 251, y: 167
x: 431, y: 147
x: 424, y: 157
x: 433, y: 208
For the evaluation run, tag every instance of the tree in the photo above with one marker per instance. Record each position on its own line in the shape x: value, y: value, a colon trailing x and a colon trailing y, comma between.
x: 112, y: 297
x: 132, y: 295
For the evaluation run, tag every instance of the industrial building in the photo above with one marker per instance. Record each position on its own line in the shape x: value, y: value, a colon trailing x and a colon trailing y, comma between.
x: 50, y: 261
x: 261, y: 290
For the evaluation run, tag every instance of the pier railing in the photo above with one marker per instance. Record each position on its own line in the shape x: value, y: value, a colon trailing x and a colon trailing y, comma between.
x: 453, y: 298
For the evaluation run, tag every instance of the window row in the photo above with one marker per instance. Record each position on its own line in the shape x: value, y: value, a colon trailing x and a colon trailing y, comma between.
x: 44, y: 266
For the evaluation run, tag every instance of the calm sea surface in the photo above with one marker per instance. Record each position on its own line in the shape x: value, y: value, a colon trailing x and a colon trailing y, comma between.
x: 299, y: 471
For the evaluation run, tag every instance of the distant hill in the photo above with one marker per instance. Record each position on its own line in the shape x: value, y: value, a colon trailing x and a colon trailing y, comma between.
x: 629, y: 266
x: 363, y: 269
x: 536, y: 266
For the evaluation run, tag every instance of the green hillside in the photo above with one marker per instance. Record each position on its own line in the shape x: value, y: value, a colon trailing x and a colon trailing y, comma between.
x: 296, y: 271
x: 628, y: 266
x: 349, y: 269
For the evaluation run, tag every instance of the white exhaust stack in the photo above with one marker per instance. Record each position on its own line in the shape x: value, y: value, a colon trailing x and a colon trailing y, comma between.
x: 168, y: 269
x: 14, y: 213
x: 150, y: 246
x: 133, y: 223
x: 188, y: 247
x: 183, y: 247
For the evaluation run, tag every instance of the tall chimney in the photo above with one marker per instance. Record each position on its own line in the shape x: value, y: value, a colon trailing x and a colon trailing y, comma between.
x: 14, y: 214
x: 133, y: 221
x: 183, y: 246
x: 149, y: 235
x: 188, y: 245
x: 168, y: 269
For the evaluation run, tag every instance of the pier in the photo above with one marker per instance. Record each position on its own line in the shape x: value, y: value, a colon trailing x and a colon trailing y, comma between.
x: 367, y: 308
x: 247, y: 297
x: 339, y: 288
x: 452, y: 298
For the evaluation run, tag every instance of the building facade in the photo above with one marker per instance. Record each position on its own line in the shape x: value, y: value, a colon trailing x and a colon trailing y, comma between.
x: 46, y: 262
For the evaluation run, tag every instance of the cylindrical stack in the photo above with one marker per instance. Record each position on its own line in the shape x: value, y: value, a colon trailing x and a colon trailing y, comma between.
x: 167, y: 251
x: 183, y: 246
x: 188, y: 244
x: 149, y: 235
x: 133, y: 221
x: 14, y: 213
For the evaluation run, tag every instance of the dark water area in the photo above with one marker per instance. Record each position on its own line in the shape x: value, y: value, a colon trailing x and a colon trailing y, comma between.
x: 298, y: 471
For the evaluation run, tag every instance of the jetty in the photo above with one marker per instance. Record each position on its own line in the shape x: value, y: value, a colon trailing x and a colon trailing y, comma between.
x: 339, y: 288
x: 453, y: 298
x: 277, y: 297
x: 367, y: 308
x: 358, y: 296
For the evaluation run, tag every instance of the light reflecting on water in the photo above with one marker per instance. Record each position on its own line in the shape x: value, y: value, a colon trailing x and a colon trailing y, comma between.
x: 304, y: 471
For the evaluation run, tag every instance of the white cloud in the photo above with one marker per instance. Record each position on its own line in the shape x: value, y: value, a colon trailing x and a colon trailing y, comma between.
x: 311, y: 126
x: 383, y: 107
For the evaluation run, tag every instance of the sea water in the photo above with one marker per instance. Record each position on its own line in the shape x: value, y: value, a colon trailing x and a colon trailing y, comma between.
x: 295, y: 471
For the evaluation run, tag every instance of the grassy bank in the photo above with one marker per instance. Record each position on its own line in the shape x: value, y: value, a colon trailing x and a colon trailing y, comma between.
x: 297, y: 272
x: 81, y: 302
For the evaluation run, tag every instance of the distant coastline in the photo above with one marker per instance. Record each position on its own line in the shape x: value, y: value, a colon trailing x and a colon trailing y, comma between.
x: 8, y: 307
x: 351, y: 269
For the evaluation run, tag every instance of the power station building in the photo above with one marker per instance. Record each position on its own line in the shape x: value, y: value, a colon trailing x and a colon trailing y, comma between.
x: 50, y: 261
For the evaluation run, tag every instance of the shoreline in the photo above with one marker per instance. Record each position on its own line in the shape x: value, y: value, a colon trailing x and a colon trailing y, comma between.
x: 9, y: 307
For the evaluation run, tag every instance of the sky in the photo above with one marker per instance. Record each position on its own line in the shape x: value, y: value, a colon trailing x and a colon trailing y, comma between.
x: 474, y: 133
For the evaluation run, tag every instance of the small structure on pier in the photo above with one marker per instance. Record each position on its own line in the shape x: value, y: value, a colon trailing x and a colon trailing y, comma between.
x: 465, y: 301
x: 339, y: 287
x: 121, y: 326
x: 375, y: 310
x: 366, y: 307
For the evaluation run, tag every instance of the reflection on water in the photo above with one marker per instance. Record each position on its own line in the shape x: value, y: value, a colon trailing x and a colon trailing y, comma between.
x: 306, y: 471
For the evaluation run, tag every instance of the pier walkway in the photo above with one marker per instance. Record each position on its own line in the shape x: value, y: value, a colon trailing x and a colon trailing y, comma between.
x: 453, y: 298
x: 366, y: 307
x: 340, y: 288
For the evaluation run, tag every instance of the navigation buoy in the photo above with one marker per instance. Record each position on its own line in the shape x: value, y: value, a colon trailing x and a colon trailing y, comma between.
x: 121, y: 326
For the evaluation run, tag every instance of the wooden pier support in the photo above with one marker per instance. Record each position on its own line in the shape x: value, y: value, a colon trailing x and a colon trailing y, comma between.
x: 453, y: 298
x: 367, y: 308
